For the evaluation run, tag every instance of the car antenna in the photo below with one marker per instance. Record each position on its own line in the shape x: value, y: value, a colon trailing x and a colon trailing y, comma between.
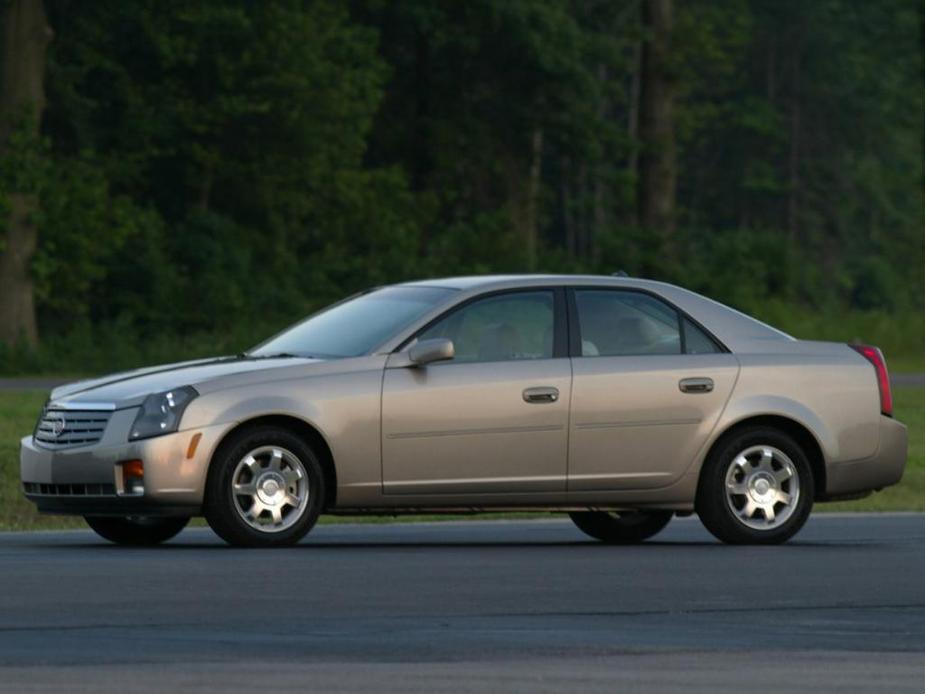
x: 620, y: 273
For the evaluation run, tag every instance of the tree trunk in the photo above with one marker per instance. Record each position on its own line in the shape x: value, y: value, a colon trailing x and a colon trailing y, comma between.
x: 584, y: 225
x: 793, y: 163
x: 568, y: 213
x: 421, y: 162
x: 24, y: 37
x: 523, y: 196
x: 17, y: 307
x: 600, y: 211
x: 632, y: 120
x: 657, y: 160
x: 532, y: 201
x: 921, y: 12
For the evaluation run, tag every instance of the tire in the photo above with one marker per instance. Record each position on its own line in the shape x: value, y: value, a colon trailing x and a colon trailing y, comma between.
x: 621, y: 528
x: 265, y: 488
x: 137, y: 531
x: 756, y: 487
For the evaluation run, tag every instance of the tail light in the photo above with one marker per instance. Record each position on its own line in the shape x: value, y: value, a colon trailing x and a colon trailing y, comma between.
x: 875, y: 357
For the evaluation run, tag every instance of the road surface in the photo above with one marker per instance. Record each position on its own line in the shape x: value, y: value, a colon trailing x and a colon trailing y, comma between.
x: 501, y: 606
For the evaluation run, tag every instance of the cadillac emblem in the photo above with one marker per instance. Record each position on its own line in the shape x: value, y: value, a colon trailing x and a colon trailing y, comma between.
x: 58, y: 424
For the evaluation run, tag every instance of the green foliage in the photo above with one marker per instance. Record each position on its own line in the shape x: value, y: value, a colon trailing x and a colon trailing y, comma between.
x: 741, y: 267
x: 244, y: 127
x: 204, y: 166
x: 83, y: 228
x: 87, y: 349
x: 18, y: 412
x: 24, y: 166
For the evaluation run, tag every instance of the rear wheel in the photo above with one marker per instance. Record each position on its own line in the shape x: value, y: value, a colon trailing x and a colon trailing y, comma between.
x: 756, y: 488
x: 621, y: 528
x: 136, y: 530
x: 265, y: 488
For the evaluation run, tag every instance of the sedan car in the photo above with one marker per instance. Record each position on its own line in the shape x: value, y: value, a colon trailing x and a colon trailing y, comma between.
x: 619, y: 401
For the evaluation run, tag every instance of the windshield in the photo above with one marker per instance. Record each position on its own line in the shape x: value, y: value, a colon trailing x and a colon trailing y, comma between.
x: 356, y: 326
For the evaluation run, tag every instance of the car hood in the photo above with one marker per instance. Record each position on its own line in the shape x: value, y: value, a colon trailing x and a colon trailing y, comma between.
x: 131, y: 387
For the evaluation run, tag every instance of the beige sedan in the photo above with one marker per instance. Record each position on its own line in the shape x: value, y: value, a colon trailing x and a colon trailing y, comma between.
x: 619, y: 401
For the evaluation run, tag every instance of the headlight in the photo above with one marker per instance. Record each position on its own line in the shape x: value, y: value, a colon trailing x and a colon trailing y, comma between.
x: 160, y: 413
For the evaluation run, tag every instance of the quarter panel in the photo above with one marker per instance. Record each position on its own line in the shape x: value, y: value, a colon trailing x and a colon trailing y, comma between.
x: 834, y: 396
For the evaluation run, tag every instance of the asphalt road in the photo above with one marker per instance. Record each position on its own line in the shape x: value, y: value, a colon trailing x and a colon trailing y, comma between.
x: 489, y: 606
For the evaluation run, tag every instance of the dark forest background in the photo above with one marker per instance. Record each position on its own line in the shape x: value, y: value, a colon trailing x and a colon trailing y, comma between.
x: 181, y: 178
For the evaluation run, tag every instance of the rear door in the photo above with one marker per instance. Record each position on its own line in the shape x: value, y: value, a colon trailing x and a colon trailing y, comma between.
x: 648, y: 388
x: 495, y: 418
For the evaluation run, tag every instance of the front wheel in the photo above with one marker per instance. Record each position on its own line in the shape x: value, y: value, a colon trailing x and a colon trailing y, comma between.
x: 621, y: 528
x: 136, y: 530
x: 265, y: 488
x: 756, y: 488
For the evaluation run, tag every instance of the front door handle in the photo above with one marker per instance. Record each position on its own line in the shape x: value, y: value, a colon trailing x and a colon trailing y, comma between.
x: 541, y: 394
x: 695, y: 385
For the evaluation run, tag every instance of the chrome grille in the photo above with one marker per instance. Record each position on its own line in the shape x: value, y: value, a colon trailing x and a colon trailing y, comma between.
x: 68, y: 428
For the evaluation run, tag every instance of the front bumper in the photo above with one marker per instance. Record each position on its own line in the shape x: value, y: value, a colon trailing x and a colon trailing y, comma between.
x: 883, y: 469
x: 85, y: 480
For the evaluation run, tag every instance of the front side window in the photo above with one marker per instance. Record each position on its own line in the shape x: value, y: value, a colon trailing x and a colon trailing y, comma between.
x: 517, y: 325
x: 620, y: 323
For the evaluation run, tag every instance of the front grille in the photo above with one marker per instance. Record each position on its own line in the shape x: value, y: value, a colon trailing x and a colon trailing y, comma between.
x: 68, y: 428
x: 69, y: 489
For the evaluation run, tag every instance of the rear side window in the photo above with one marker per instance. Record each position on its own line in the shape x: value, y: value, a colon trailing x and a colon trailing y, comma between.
x: 624, y: 323
x: 615, y: 323
x: 696, y: 341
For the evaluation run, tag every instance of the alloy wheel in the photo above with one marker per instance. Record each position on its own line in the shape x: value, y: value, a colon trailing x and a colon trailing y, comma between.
x: 762, y: 487
x: 270, y: 489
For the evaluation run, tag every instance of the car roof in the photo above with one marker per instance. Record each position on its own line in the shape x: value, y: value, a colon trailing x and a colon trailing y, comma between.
x: 468, y: 282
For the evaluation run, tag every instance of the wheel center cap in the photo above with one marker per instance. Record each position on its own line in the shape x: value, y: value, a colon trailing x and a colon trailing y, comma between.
x: 761, y: 488
x: 270, y: 488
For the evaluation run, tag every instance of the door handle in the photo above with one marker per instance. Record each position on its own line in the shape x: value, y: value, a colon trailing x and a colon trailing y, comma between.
x: 541, y: 394
x: 695, y: 385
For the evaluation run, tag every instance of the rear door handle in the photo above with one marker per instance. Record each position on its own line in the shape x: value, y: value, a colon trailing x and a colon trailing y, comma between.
x: 541, y: 394
x: 695, y: 385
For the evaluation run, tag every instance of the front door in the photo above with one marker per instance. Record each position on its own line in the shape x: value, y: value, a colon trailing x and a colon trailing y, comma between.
x: 495, y: 418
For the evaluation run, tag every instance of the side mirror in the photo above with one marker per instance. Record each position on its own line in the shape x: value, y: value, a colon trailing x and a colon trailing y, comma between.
x: 427, y: 351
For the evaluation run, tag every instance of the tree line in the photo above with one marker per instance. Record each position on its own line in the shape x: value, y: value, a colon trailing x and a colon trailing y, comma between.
x: 168, y: 166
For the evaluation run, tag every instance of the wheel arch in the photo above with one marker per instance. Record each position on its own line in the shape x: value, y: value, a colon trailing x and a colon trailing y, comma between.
x: 798, y: 431
x: 304, y: 430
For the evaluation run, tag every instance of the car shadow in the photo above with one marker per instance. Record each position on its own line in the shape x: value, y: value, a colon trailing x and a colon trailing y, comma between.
x: 578, y: 544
